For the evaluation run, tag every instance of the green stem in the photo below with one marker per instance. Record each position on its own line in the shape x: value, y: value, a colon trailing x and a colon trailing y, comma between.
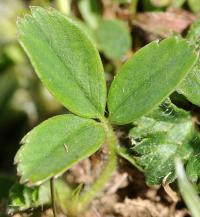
x: 133, y: 7
x: 64, y: 6
x: 110, y: 166
x: 52, y: 187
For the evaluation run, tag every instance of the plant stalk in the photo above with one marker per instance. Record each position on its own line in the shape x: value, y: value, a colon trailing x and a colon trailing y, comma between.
x: 133, y: 7
x: 64, y: 6
x: 111, y: 141
x: 52, y: 187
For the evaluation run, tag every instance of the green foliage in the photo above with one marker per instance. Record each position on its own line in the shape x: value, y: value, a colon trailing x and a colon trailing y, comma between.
x: 128, y: 155
x: 193, y: 166
x: 148, y: 6
x: 190, y: 86
x: 160, y: 137
x: 113, y: 38
x: 91, y: 11
x: 189, y: 195
x: 69, y: 65
x: 194, y: 5
x: 73, y: 75
x: 59, y: 142
x: 23, y: 197
x: 143, y: 82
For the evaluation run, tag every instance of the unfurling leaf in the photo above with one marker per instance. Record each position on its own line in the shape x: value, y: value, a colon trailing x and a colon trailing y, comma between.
x: 55, y: 145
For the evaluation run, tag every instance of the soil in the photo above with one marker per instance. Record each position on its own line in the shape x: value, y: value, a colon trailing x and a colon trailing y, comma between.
x: 125, y: 195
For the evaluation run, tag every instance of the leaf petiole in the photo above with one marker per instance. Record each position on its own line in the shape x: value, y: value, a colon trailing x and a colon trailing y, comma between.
x: 52, y: 187
x: 111, y: 141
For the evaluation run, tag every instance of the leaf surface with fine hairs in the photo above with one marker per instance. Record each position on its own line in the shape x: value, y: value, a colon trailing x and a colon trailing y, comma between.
x: 148, y: 78
x: 55, y: 145
x: 65, y: 60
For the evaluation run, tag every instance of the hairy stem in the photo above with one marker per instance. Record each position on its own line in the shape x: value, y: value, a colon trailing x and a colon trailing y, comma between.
x: 52, y: 187
x: 110, y: 166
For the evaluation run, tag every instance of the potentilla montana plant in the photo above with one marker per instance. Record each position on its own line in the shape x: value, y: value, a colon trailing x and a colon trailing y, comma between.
x: 69, y: 65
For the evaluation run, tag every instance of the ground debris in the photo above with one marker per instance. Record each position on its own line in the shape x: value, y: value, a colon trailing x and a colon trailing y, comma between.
x: 163, y: 24
x: 138, y: 208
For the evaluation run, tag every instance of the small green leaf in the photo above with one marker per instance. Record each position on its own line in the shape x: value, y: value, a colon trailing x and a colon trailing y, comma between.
x: 188, y: 193
x: 65, y: 60
x: 159, y: 138
x: 55, y: 145
x: 148, y: 78
x: 22, y: 197
x: 190, y: 86
x: 113, y: 38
